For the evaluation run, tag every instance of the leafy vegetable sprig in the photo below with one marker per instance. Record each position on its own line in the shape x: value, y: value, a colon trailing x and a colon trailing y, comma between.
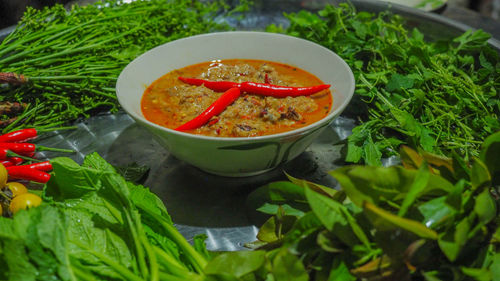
x: 436, y: 218
x: 439, y: 96
x: 64, y: 64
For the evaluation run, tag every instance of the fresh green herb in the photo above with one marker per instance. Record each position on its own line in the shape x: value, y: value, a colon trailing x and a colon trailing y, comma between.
x: 429, y: 221
x: 70, y: 60
x: 94, y: 225
x: 439, y: 96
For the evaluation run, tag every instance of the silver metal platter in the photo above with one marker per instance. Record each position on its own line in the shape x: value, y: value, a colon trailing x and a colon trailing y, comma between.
x: 201, y: 203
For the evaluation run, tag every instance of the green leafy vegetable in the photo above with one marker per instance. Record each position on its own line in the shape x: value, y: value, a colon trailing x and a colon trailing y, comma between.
x: 439, y: 96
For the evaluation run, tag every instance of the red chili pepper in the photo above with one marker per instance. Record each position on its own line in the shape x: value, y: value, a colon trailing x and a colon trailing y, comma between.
x: 19, y: 135
x: 12, y: 161
x: 24, y: 173
x: 218, y: 86
x: 28, y: 149
x: 7, y: 154
x: 281, y: 91
x: 45, y: 166
x: 214, y: 109
x: 263, y: 89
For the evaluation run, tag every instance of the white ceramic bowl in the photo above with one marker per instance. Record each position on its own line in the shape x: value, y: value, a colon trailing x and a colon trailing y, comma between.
x: 235, y: 156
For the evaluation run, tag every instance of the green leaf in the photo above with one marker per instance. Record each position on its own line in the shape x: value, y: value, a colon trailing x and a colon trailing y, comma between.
x: 398, y: 82
x: 485, y: 207
x: 287, y: 266
x: 436, y: 212
x: 453, y: 240
x: 419, y: 185
x: 384, y: 221
x: 272, y: 209
x: 490, y: 151
x: 479, y: 274
x: 237, y: 264
x: 372, y: 184
x: 373, y: 156
x: 335, y: 217
x: 480, y: 176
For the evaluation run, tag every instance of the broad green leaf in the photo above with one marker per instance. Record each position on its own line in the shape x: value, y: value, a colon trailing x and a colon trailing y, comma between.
x: 480, y: 176
x: 326, y: 210
x: 372, y: 184
x: 316, y: 187
x: 304, y: 226
x: 72, y: 180
x: 372, y: 154
x: 495, y: 267
x: 435, y: 212
x: 410, y: 158
x: 485, y: 207
x: 385, y: 220
x: 478, y: 274
x: 453, y: 240
x: 421, y: 180
x: 287, y: 266
x: 340, y: 271
x: 237, y: 264
x: 272, y: 209
x: 489, y: 153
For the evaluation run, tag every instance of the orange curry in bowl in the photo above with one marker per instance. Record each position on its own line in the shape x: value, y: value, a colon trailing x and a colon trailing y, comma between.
x: 236, y: 98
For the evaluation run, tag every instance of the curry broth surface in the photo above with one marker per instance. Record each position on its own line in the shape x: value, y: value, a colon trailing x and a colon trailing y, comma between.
x: 170, y: 102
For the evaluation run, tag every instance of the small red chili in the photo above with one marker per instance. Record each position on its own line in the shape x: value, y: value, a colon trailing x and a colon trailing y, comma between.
x: 281, y: 91
x: 24, y: 173
x: 266, y: 78
x: 218, y: 86
x: 7, y: 154
x: 19, y: 135
x: 45, y: 166
x: 214, y: 109
x: 27, y: 134
x: 28, y: 149
x: 263, y: 89
x: 12, y: 161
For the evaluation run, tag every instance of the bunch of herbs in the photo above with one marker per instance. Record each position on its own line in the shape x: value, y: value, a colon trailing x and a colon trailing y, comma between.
x: 434, y: 218
x: 63, y: 64
x: 439, y: 96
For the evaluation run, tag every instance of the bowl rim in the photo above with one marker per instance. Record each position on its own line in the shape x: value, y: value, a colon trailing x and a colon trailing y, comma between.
x: 319, y: 123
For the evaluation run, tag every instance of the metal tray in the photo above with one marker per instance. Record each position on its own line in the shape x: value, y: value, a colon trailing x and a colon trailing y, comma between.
x: 203, y: 203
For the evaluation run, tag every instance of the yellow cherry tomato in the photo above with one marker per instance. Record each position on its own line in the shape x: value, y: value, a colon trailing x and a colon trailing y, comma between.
x: 3, y: 175
x: 16, y: 188
x: 24, y: 201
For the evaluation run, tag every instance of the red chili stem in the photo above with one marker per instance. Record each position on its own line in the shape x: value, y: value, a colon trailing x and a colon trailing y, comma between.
x: 7, y: 154
x: 214, y: 109
x: 263, y: 89
x: 27, y: 148
x: 45, y: 166
x: 24, y: 173
x: 218, y: 86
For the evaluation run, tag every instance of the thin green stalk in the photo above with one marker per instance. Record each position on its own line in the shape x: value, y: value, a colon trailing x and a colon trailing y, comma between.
x: 197, y: 260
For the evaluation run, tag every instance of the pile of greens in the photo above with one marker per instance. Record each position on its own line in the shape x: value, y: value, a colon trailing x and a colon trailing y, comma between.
x: 94, y: 225
x: 70, y: 60
x: 436, y: 218
x: 439, y: 96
